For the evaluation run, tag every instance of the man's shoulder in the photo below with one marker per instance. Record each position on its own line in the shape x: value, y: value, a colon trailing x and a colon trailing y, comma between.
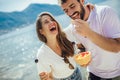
x: 102, y: 8
x: 103, y: 11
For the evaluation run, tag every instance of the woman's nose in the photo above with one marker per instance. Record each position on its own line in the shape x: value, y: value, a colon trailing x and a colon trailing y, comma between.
x: 51, y: 23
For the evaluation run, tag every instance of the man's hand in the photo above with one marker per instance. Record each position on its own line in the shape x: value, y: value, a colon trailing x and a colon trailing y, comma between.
x: 82, y: 27
x: 109, y: 44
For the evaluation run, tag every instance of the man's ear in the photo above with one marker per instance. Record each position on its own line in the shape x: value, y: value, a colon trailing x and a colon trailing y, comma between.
x: 82, y: 2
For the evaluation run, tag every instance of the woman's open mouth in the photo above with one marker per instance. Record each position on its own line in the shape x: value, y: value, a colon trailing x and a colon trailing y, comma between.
x: 53, y: 28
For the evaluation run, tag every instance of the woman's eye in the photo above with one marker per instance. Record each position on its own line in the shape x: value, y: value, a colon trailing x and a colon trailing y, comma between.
x: 46, y: 22
x: 52, y: 20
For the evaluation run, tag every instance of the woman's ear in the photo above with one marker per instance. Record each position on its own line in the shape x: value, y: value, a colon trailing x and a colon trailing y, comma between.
x: 41, y: 32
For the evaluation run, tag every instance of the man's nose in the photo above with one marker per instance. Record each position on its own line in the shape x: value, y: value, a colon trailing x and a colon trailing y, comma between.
x: 70, y: 12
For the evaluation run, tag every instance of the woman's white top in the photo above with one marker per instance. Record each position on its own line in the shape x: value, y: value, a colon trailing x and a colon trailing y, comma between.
x: 49, y: 61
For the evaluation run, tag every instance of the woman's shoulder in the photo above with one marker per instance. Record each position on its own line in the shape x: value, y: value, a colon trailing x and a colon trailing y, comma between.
x: 41, y: 51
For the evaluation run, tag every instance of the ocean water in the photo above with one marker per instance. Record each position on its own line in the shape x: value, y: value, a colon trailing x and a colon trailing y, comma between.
x: 18, y: 49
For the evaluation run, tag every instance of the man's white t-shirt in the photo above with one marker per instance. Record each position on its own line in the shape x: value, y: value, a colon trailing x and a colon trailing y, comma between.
x: 104, y: 21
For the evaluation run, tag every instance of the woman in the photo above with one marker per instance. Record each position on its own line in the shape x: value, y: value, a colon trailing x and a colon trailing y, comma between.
x: 55, y: 56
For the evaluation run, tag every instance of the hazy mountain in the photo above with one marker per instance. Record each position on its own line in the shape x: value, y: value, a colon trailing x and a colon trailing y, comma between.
x: 10, y: 21
x: 95, y: 1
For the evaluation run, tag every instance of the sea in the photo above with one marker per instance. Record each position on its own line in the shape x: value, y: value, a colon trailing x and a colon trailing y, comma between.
x: 18, y: 48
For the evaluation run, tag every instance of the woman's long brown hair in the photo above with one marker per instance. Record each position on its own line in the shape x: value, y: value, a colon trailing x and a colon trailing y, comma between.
x: 65, y: 45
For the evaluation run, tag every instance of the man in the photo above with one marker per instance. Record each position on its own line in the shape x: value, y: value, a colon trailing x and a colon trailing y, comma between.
x: 98, y: 29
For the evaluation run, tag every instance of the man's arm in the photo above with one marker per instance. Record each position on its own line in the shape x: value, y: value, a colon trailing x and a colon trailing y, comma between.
x: 105, y: 43
x: 109, y: 44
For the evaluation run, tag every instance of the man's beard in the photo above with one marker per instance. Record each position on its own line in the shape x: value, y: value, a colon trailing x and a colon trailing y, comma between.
x: 81, y: 13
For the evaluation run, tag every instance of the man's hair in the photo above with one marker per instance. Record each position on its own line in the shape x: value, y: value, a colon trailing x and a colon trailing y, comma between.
x: 64, y: 1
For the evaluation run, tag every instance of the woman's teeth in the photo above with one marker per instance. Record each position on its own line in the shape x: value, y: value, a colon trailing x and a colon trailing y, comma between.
x: 53, y: 28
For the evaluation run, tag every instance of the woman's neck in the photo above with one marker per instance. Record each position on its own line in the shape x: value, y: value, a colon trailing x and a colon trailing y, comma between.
x: 53, y: 44
x: 52, y: 41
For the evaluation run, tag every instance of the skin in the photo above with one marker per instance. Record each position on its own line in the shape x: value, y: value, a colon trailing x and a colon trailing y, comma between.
x: 47, y: 24
x: 82, y: 27
x: 46, y: 75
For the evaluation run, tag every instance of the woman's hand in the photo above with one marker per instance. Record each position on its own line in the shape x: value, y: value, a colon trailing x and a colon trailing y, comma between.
x: 46, y: 76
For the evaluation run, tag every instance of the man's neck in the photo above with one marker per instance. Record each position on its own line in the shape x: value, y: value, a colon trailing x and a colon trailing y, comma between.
x: 88, y: 9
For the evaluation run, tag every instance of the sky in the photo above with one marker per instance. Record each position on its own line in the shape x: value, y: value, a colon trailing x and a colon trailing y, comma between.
x: 19, y: 5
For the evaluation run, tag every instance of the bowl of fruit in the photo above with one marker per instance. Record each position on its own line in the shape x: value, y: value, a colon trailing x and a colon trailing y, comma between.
x: 83, y: 58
